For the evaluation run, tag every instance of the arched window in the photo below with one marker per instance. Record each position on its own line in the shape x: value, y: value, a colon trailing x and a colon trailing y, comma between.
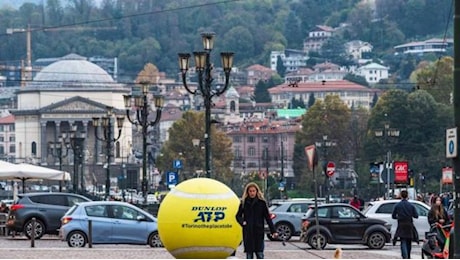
x: 232, y: 106
x: 34, y: 149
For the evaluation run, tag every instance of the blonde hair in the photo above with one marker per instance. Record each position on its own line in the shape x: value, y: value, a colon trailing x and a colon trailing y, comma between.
x: 259, y: 194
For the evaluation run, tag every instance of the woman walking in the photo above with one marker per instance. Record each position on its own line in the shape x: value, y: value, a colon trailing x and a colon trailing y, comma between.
x: 252, y: 213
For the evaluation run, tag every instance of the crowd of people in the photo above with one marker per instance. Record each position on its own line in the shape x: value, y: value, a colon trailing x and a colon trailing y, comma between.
x: 404, y: 212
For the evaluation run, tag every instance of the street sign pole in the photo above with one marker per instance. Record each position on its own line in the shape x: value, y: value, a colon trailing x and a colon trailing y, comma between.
x: 456, y: 105
x: 312, y: 157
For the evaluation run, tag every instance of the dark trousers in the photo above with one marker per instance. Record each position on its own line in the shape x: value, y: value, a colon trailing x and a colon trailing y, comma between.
x: 406, y: 247
x: 259, y: 255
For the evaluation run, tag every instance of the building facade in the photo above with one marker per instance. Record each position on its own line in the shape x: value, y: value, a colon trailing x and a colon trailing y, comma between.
x: 63, y: 97
x: 317, y: 37
x: 352, y: 94
x: 7, y: 138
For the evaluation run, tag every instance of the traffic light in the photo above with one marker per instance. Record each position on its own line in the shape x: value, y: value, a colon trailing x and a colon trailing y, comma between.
x: 411, y: 177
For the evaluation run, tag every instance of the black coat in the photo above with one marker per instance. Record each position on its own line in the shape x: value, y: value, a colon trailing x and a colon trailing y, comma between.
x: 432, y: 218
x: 404, y: 212
x: 255, y: 213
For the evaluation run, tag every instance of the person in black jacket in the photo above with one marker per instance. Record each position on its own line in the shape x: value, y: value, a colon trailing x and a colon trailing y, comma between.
x: 404, y: 212
x: 437, y: 213
x: 252, y: 213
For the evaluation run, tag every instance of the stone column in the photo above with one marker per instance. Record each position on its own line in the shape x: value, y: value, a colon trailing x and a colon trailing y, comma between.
x: 43, y: 145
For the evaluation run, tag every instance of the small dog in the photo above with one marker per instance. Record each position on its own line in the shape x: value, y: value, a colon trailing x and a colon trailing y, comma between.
x: 338, y: 253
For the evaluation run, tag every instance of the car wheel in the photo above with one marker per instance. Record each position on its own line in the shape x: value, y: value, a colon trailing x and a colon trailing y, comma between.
x: 154, y: 240
x: 76, y: 239
x: 315, y: 238
x: 39, y: 229
x: 284, y: 231
x: 376, y: 240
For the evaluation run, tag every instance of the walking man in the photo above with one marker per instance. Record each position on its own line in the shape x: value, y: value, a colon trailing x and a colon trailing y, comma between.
x: 404, y: 212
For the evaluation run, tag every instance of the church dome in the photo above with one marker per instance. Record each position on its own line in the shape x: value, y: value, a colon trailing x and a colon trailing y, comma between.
x: 72, y: 70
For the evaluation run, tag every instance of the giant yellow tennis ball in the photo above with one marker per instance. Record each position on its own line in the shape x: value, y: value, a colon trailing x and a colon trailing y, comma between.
x: 196, y: 219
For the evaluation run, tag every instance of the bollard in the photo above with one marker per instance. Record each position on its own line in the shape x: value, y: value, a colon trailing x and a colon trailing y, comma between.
x: 32, y: 233
x: 90, y: 233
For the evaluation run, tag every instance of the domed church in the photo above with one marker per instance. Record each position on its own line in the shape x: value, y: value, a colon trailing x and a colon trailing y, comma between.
x: 59, y: 105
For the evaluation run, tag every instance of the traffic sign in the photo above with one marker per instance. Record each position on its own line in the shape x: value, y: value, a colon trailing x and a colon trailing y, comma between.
x: 310, y: 151
x: 172, y: 178
x: 330, y: 169
x: 451, y: 143
x: 177, y: 164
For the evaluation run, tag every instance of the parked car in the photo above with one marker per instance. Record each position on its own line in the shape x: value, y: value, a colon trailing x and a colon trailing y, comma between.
x: 113, y: 222
x: 287, y: 217
x: 341, y: 223
x: 382, y: 209
x: 8, y: 202
x: 47, y: 209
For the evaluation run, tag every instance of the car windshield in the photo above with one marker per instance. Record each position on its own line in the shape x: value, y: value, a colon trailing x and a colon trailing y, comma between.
x: 322, y: 212
x: 71, y: 210
x: 273, y: 207
x: 370, y: 205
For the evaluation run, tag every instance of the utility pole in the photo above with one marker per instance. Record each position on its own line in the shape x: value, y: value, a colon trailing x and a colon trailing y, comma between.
x: 456, y: 94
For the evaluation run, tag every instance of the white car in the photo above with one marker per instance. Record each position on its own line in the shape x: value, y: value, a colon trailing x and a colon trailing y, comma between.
x: 382, y: 209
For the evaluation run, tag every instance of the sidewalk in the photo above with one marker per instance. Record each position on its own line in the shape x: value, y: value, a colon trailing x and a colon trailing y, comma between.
x: 161, y: 253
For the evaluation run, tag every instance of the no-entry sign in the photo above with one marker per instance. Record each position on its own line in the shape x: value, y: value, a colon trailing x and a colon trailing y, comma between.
x: 330, y: 169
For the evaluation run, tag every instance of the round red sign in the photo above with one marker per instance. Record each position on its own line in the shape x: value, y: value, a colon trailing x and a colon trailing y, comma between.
x: 330, y: 169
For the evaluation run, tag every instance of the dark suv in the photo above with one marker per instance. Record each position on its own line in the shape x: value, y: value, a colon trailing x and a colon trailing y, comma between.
x: 47, y: 209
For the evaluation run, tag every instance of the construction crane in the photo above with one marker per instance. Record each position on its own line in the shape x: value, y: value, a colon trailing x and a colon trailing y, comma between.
x: 26, y: 70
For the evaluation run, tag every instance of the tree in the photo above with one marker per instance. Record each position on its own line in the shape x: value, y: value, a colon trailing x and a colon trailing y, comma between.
x: 149, y: 74
x: 311, y: 100
x: 296, y: 103
x: 437, y: 79
x: 280, y: 68
x: 179, y: 147
x: 329, y: 117
x: 356, y: 79
x: 421, y: 122
x: 333, y: 50
x: 261, y: 94
x: 375, y: 98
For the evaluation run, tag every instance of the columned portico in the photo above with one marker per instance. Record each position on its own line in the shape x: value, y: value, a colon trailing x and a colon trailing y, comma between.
x: 67, y: 92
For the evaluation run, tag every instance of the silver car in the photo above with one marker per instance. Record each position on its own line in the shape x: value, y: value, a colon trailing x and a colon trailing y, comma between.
x: 113, y: 222
x: 287, y: 217
x: 383, y: 209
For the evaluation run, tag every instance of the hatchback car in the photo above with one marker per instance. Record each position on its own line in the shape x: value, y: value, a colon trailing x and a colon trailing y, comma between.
x: 341, y: 223
x: 287, y: 217
x: 113, y: 222
x: 47, y: 209
x: 382, y: 209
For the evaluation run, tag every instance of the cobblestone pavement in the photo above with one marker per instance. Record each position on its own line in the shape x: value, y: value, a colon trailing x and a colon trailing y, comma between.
x: 148, y: 253
x: 52, y: 248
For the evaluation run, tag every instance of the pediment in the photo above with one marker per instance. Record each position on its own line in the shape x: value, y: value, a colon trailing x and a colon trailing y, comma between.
x: 75, y: 104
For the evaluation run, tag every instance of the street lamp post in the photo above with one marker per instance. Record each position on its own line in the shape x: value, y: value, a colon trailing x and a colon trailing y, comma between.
x: 325, y: 144
x: 76, y: 143
x: 142, y: 108
x: 204, y: 69
x: 387, y: 132
x: 57, y: 152
x: 108, y: 137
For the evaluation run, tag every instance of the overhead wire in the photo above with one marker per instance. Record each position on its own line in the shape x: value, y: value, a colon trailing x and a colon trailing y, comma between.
x: 50, y: 28
x: 432, y: 82
x: 129, y: 16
